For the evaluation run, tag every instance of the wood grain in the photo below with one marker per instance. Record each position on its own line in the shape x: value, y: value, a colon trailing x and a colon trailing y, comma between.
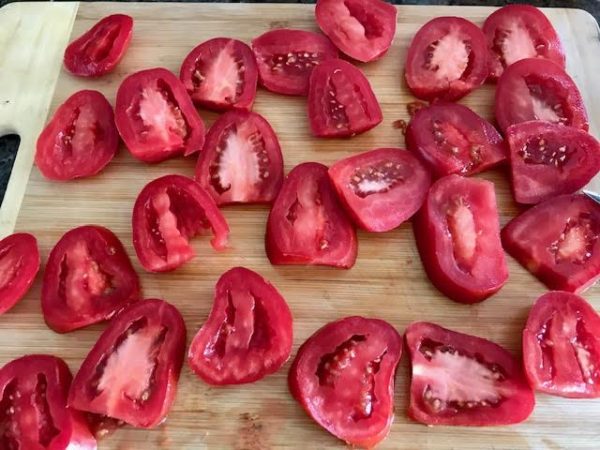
x: 388, y: 280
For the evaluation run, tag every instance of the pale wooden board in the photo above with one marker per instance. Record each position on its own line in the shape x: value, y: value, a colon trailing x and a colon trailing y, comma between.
x: 388, y: 280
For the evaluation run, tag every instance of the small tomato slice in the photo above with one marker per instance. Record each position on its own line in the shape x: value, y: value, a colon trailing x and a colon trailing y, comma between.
x: 248, y: 334
x: 458, y: 236
x: 307, y: 224
x: 464, y: 380
x: 241, y: 161
x: 132, y: 371
x: 167, y: 213
x: 156, y: 118
x: 19, y: 264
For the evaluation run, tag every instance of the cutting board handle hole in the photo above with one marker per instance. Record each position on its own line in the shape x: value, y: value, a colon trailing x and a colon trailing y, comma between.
x: 9, y: 145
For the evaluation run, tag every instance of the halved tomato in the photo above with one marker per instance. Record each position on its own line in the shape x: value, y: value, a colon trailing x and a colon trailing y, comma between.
x: 88, y: 278
x: 447, y: 59
x: 557, y: 241
x: 381, y: 188
x: 307, y: 224
x: 458, y: 237
x: 459, y: 379
x: 248, y: 334
x: 343, y: 376
x: 167, y: 213
x: 547, y: 160
x: 241, y: 161
x: 287, y: 57
x: 340, y: 101
x: 132, y: 371
x: 362, y: 29
x: 156, y: 117
x: 19, y: 264
x: 221, y: 74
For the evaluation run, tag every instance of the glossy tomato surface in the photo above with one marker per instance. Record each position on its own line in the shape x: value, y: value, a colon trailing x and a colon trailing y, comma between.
x: 19, y: 264
x: 459, y: 379
x: 343, y: 376
x: 248, y: 334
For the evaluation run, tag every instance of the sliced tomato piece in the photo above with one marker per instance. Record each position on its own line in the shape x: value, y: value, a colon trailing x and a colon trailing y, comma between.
x: 459, y: 379
x: 451, y: 138
x: 99, y: 50
x: 362, y: 29
x: 241, y: 161
x: 557, y: 241
x: 132, y: 371
x: 19, y: 264
x: 88, y: 278
x: 248, y: 334
x: 447, y: 59
x: 340, y: 101
x: 307, y: 224
x: 287, y: 57
x: 458, y: 237
x: 156, y: 118
x: 516, y: 32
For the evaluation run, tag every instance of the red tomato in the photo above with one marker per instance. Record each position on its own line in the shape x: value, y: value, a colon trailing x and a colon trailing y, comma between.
x: 221, y: 74
x: 464, y: 380
x: 380, y: 188
x: 538, y: 89
x: 547, y: 160
x: 132, y: 371
x: 452, y: 138
x: 557, y: 241
x: 340, y: 101
x: 248, y: 334
x: 458, y: 237
x: 307, y: 225
x: 167, y: 213
x: 99, y: 50
x: 362, y: 29
x: 80, y: 139
x: 343, y: 376
x: 447, y: 59
x: 156, y: 118
x: 286, y: 58
x: 33, y: 412
x: 516, y: 32
x: 19, y: 264
x: 241, y: 161
x: 88, y: 278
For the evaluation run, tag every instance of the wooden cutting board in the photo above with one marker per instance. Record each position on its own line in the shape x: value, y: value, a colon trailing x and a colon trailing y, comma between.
x: 388, y: 280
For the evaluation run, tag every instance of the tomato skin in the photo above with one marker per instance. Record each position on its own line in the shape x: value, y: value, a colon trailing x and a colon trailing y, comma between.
x: 379, y: 348
x: 99, y: 50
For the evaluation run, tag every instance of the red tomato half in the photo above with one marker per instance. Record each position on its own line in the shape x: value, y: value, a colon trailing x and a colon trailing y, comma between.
x: 557, y: 241
x: 99, y: 50
x: 452, y: 138
x: 307, y: 225
x: 19, y: 264
x: 538, y: 89
x: 167, y: 213
x: 340, y: 101
x: 516, y: 32
x: 343, y: 376
x: 221, y: 74
x: 88, y: 278
x: 447, y: 59
x: 33, y: 412
x: 80, y: 139
x: 241, y: 161
x: 362, y: 29
x: 458, y: 237
x: 156, y: 118
x: 248, y: 334
x: 464, y: 380
x: 132, y: 371
x: 287, y: 57
x: 381, y: 188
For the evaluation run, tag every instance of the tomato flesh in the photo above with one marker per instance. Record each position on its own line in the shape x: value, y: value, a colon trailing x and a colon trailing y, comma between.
x: 19, y: 264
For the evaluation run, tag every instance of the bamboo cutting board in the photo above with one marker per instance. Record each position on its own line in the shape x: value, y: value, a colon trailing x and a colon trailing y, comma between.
x: 388, y: 280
